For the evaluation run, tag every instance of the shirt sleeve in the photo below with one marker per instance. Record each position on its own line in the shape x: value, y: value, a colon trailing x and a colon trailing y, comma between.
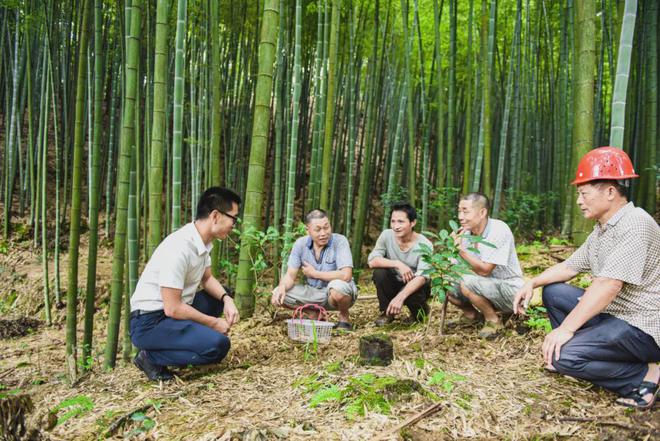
x: 380, y: 250
x: 295, y: 257
x: 344, y: 258
x: 579, y: 260
x: 172, y: 271
x: 502, y: 239
x: 626, y: 260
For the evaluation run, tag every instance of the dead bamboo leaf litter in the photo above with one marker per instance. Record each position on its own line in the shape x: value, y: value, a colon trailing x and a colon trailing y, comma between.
x: 502, y: 392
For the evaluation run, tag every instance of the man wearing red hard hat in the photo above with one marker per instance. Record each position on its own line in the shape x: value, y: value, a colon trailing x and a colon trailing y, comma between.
x: 608, y: 334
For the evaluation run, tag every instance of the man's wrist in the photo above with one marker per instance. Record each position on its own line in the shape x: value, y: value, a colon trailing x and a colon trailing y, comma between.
x: 566, y: 328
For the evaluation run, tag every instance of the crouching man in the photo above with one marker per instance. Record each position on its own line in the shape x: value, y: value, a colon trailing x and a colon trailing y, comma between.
x: 399, y: 269
x: 325, y: 260
x: 172, y: 323
x: 497, y: 274
x: 609, y: 333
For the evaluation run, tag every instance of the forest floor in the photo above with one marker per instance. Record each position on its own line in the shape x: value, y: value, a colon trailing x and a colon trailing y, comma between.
x: 270, y: 387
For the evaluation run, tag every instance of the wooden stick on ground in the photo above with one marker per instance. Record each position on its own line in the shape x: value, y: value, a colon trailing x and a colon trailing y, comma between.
x: 602, y: 423
x: 410, y: 421
x: 122, y: 419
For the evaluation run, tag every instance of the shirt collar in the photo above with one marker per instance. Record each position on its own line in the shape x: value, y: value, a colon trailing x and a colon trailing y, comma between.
x: 310, y: 242
x: 197, y: 240
x: 619, y: 214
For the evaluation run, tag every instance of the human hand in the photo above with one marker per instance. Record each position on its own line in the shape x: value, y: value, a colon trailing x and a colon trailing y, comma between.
x: 523, y: 296
x: 394, y: 308
x: 458, y: 239
x: 230, y: 311
x: 553, y: 343
x: 277, y: 296
x: 221, y: 326
x: 406, y: 273
x: 309, y: 270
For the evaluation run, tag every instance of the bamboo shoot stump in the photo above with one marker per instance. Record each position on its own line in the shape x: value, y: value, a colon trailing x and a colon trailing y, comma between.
x: 376, y: 350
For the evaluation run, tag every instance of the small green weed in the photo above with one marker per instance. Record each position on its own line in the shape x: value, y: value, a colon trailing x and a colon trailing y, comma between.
x: 85, y: 363
x: 538, y: 319
x: 4, y: 247
x: 333, y: 367
x: 7, y: 303
x: 445, y: 380
x: 73, y: 407
x: 6, y: 392
x: 145, y: 424
x: 366, y: 392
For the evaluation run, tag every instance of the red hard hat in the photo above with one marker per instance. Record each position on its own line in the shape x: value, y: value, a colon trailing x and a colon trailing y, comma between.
x: 604, y: 163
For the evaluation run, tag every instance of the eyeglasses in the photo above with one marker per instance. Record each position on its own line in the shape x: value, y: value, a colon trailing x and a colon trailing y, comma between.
x: 234, y: 219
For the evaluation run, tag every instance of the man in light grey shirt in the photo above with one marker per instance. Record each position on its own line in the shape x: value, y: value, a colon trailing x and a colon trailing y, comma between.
x: 398, y: 268
x: 497, y: 274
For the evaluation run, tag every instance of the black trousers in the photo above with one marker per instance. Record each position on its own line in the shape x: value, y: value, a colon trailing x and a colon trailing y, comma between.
x: 606, y: 350
x: 388, y: 286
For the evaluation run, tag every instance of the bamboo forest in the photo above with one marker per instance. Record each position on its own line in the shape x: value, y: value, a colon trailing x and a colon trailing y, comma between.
x: 150, y: 148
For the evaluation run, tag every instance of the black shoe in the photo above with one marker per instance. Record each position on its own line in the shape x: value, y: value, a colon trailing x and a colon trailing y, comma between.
x: 345, y: 326
x: 153, y: 371
x: 383, y: 320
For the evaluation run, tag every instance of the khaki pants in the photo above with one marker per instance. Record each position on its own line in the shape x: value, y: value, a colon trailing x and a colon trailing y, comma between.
x: 303, y: 294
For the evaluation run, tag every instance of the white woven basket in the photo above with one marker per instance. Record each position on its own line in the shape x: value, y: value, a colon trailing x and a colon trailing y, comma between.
x: 306, y: 330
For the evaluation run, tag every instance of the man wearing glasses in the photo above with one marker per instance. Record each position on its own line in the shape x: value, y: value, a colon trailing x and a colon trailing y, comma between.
x: 172, y: 323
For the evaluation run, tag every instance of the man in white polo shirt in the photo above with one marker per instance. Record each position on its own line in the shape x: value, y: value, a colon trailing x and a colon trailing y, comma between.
x: 171, y: 322
x: 497, y: 273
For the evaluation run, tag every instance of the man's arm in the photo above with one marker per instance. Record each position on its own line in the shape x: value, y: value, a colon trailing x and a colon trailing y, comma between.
x: 403, y: 269
x: 596, y: 298
x: 479, y: 267
x: 286, y: 283
x: 556, y: 273
x: 176, y: 309
x: 345, y: 274
x: 215, y: 289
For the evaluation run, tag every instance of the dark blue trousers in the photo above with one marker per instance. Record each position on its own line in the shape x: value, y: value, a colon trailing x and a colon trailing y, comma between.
x: 606, y: 351
x: 171, y: 342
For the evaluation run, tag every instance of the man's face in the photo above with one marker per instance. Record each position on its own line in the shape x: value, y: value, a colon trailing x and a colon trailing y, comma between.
x: 400, y: 224
x: 320, y: 231
x: 594, y: 200
x: 223, y: 222
x: 470, y: 215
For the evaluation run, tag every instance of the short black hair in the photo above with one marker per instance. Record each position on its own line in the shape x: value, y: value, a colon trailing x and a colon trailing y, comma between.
x: 620, y: 186
x: 316, y: 213
x: 406, y: 208
x: 216, y: 198
x: 477, y: 198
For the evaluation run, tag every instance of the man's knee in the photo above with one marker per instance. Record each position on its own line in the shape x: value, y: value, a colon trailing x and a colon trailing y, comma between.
x: 552, y: 292
x: 572, y: 359
x: 337, y: 298
x: 380, y: 276
x: 219, y: 346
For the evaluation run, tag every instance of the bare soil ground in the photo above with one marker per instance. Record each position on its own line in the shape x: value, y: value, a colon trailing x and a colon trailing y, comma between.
x: 264, y: 389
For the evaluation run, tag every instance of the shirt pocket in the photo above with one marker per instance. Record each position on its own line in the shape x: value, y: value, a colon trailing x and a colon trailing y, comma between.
x: 330, y: 258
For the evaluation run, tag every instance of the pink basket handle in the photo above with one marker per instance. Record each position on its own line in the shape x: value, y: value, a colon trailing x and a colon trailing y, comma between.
x: 298, y: 312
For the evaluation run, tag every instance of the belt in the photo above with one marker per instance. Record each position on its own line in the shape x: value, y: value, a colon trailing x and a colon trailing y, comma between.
x: 139, y: 312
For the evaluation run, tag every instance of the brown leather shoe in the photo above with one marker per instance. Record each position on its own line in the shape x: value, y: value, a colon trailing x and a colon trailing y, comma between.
x: 490, y: 330
x: 383, y: 320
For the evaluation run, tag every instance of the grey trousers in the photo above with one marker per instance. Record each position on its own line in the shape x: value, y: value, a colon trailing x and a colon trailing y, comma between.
x: 606, y: 351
